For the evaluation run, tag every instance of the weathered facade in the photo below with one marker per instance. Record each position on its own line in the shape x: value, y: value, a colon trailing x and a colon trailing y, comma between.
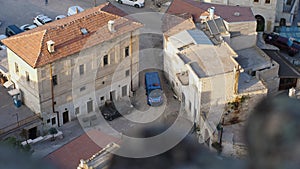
x: 233, y: 74
x: 70, y: 67
x: 265, y: 10
x: 201, y: 74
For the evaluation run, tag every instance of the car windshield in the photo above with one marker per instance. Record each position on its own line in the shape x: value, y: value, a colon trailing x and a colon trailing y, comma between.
x: 47, y: 21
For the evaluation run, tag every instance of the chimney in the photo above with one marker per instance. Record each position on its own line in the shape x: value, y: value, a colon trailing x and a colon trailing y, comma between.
x: 77, y: 10
x: 292, y: 92
x: 50, y: 46
x: 236, y: 14
x: 211, y: 11
x: 111, y: 26
x: 82, y: 165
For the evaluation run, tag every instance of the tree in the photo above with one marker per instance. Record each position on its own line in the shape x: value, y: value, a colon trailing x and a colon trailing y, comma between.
x: 53, y: 131
x: 24, y: 134
x: 16, y: 144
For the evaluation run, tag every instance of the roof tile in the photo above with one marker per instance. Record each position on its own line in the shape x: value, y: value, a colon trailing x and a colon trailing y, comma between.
x: 196, y: 8
x: 83, y: 147
x: 32, y: 48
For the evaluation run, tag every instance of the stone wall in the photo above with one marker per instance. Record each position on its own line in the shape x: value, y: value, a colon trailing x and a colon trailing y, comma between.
x: 245, y: 35
x: 267, y: 11
x: 270, y: 77
x: 28, y: 89
x: 71, y: 85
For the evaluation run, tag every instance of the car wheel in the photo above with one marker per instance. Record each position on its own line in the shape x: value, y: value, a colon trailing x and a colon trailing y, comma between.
x: 137, y: 6
x: 291, y: 53
x: 120, y: 2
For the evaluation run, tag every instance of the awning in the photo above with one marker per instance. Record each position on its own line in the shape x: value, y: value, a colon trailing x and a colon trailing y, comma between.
x: 3, y: 70
x: 8, y: 84
x: 14, y: 92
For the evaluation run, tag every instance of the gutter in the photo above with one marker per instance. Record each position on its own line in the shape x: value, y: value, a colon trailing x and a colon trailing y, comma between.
x: 52, y: 94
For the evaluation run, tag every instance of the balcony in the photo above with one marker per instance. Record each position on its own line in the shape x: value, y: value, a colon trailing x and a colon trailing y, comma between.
x: 183, y: 78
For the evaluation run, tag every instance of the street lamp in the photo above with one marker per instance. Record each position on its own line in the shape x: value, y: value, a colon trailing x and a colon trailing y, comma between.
x: 16, y: 114
x: 220, y: 129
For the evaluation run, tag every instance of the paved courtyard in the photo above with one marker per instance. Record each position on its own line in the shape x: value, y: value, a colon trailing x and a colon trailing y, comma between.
x: 10, y: 115
x: 22, y: 12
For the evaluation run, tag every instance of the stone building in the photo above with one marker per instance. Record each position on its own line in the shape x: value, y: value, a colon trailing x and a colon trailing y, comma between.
x: 237, y: 27
x: 286, y: 10
x: 268, y: 13
x: 201, y: 74
x: 214, y: 66
x: 71, y: 66
x: 263, y: 10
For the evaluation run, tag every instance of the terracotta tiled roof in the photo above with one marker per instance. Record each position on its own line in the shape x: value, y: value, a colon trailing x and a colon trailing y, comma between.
x: 83, y: 147
x: 31, y: 46
x: 196, y: 8
x: 174, y: 24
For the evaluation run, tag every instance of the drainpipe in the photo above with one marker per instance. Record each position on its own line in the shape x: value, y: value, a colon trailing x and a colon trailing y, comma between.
x: 236, y: 78
x: 131, y: 55
x: 52, y: 93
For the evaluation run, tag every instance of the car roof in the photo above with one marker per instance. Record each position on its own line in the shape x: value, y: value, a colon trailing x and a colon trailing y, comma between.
x: 3, y: 37
x: 74, y: 8
x: 60, y: 17
x: 42, y: 16
x: 15, y: 28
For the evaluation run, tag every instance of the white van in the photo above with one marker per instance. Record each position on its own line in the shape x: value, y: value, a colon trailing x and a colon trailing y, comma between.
x: 74, y: 10
x: 135, y: 3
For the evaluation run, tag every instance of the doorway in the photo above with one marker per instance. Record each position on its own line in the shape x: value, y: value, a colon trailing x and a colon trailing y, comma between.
x: 260, y: 27
x: 124, y: 91
x: 32, y: 133
x: 65, y: 117
x: 112, y: 95
x: 287, y: 83
x: 89, y: 105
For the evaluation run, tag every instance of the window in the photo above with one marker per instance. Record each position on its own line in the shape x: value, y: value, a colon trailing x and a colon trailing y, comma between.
x: 105, y: 60
x: 289, y: 2
x: 27, y: 76
x: 76, y: 110
x: 82, y: 88
x: 190, y: 106
x: 16, y: 68
x: 127, y: 73
x: 268, y: 1
x: 43, y: 73
x: 256, y: 0
x: 124, y: 90
x: 54, y: 80
x: 89, y: 106
x: 101, y: 100
x: 126, y: 51
x: 48, y: 121
x: 81, y: 69
x: 53, y: 121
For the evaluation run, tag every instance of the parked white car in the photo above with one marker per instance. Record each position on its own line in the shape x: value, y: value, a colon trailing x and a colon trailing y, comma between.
x: 74, y: 10
x: 135, y: 3
x: 41, y: 20
x: 2, y: 46
x: 27, y: 27
x: 60, y: 17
